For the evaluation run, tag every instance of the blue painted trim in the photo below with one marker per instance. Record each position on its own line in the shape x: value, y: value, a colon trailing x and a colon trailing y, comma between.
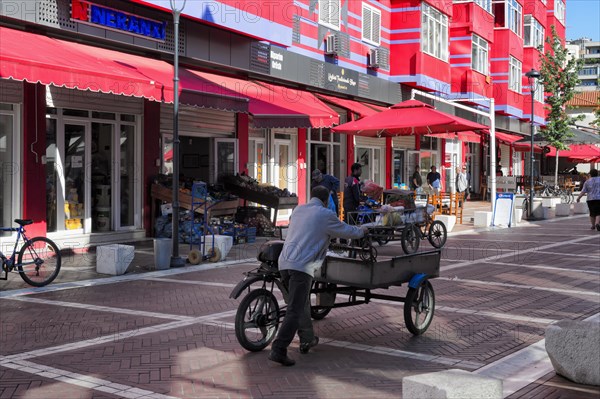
x: 356, y: 28
x: 355, y: 16
x: 301, y: 5
x: 383, y: 40
x: 510, y: 110
x: 406, y: 9
x: 501, y: 81
x: 408, y: 41
x: 499, y: 59
x: 499, y: 74
x: 308, y: 21
x: 416, y: 280
x: 405, y: 30
x: 423, y: 80
x: 537, y: 119
x: 460, y: 56
x: 242, y: 21
x: 460, y: 65
x: 378, y: 5
x: 460, y: 38
x: 317, y: 55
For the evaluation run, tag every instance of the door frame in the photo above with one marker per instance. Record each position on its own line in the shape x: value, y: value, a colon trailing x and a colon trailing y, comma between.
x: 16, y: 160
x: 382, y: 170
x: 404, y: 163
x: 218, y: 140
x: 265, y: 163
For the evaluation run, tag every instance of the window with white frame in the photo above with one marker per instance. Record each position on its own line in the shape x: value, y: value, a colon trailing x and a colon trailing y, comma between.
x: 435, y: 32
x: 534, y: 32
x: 515, y: 75
x: 479, y: 55
x: 559, y: 10
x: 485, y: 4
x: 538, y: 95
x: 371, y: 28
x: 508, y: 14
x: 329, y: 13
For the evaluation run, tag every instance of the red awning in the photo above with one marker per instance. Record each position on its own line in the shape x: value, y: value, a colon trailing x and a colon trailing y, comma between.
x: 526, y: 147
x: 351, y: 105
x: 41, y: 59
x: 508, y: 138
x: 278, y: 107
x: 576, y: 152
x: 467, y: 137
x: 408, y: 118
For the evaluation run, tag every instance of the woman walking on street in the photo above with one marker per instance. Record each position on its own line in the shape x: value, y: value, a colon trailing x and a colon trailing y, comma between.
x: 591, y: 187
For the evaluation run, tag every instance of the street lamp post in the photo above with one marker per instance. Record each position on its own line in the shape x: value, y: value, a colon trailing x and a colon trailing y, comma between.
x: 532, y: 76
x: 176, y: 260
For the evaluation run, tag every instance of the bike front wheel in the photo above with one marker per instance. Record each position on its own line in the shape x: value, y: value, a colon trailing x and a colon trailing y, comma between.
x: 257, y: 320
x: 39, y: 261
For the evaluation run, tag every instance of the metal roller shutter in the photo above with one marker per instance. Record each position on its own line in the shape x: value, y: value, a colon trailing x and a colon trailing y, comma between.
x: 11, y: 91
x: 198, y: 122
x: 60, y: 97
x: 369, y: 142
x: 407, y: 142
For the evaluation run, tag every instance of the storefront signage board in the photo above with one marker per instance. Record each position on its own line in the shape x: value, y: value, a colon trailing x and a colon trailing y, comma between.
x: 108, y: 18
x: 503, y: 209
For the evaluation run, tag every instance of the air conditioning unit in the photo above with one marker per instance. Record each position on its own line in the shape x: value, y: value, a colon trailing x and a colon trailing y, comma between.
x: 374, y: 58
x: 332, y: 45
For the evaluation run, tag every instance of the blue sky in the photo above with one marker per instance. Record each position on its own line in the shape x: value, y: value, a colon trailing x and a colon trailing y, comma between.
x: 583, y: 19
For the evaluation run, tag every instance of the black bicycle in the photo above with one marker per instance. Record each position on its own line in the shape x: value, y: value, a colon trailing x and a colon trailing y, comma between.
x: 38, y: 260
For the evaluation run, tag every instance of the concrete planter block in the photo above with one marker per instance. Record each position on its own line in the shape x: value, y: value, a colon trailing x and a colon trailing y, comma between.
x: 549, y: 213
x: 550, y: 202
x: 517, y: 215
x: 538, y: 210
x: 482, y: 219
x: 448, y: 220
x: 574, y: 351
x: 224, y: 243
x: 114, y: 259
x: 563, y: 209
x: 580, y: 208
x: 451, y: 384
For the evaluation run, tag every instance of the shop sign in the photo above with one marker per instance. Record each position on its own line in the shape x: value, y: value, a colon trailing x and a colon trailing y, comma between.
x: 109, y: 18
x: 341, y: 80
x: 260, y: 57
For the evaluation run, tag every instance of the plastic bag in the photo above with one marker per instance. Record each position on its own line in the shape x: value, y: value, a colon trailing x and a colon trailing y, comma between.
x: 331, y: 204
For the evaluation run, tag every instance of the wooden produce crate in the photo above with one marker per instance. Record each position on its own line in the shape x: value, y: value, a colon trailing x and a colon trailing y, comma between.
x: 271, y: 201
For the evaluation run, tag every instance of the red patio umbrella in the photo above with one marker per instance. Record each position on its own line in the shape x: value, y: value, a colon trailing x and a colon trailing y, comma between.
x: 466, y: 136
x: 408, y: 118
x: 577, y: 152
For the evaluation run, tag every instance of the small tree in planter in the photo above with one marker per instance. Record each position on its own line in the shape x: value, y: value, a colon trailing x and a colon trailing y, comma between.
x: 559, y: 76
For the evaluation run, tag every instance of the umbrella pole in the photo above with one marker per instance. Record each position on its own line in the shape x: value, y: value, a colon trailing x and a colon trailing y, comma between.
x: 556, y: 171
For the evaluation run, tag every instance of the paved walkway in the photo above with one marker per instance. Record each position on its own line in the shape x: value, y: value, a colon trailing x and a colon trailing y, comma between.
x: 171, y: 333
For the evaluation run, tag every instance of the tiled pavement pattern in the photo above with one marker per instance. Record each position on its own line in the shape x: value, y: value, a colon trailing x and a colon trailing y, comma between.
x: 170, y: 334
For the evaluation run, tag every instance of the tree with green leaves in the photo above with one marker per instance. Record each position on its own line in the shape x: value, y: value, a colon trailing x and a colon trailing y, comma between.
x: 596, y: 122
x: 559, y: 77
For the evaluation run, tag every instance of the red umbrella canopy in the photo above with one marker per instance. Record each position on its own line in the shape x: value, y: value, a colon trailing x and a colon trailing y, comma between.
x: 577, y: 151
x: 408, y: 118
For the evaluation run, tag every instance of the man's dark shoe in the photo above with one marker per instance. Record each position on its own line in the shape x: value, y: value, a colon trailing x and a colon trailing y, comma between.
x: 305, y: 347
x: 598, y: 227
x: 284, y: 360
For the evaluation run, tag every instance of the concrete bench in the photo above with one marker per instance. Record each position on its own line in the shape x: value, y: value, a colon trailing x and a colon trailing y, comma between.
x: 448, y: 220
x: 580, y: 208
x: 550, y: 202
x: 574, y: 351
x: 482, y: 219
x: 563, y: 209
x: 114, y: 259
x: 451, y: 384
x: 549, y: 213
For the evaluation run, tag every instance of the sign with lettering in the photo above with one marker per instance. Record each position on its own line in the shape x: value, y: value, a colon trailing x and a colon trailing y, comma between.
x: 108, y: 18
x: 260, y: 57
x: 503, y: 209
x: 341, y: 79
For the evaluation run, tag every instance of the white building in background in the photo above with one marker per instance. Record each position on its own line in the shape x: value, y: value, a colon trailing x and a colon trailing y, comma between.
x: 590, y: 52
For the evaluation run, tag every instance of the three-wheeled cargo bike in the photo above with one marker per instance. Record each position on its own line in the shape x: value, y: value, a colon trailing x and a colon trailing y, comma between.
x: 341, y: 281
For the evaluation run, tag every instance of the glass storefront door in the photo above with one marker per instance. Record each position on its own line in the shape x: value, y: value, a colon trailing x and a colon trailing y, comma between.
x: 73, y: 213
x: 257, y: 166
x: 399, y: 175
x: 127, y: 176
x: 7, y: 166
x: 371, y: 160
x: 226, y: 157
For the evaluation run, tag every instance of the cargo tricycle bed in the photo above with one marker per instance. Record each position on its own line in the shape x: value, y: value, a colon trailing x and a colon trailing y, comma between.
x: 339, y: 282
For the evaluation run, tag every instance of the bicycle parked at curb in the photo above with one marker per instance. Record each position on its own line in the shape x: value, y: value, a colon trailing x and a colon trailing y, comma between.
x: 38, y: 260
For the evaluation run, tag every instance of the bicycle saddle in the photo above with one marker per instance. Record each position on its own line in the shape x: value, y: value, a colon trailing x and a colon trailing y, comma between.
x: 23, y: 222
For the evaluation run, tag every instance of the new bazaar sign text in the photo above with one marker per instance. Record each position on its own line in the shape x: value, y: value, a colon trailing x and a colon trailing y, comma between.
x: 108, y: 18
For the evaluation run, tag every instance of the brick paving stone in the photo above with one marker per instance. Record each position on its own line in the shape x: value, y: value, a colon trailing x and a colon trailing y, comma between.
x: 17, y: 384
x: 554, y: 386
x: 26, y: 326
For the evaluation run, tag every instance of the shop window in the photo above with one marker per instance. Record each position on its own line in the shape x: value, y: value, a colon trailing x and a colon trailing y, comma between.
x: 371, y: 28
x: 167, y: 154
x: 76, y: 112
x: 226, y: 157
x: 127, y: 118
x: 104, y: 115
x: 51, y: 180
x: 128, y: 169
x: 7, y: 170
x: 6, y: 107
x: 329, y: 13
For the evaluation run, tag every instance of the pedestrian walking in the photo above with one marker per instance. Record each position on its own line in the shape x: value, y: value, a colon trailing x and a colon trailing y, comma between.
x: 352, y: 194
x: 591, y: 188
x: 434, y: 180
x: 462, y: 182
x: 310, y: 230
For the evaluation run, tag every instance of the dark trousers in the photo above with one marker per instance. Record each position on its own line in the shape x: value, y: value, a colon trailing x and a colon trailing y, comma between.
x: 297, y: 315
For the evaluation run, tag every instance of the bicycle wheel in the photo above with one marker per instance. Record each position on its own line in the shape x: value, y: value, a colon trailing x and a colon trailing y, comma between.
x: 411, y: 238
x: 437, y: 234
x: 419, y: 307
x: 39, y: 261
x: 257, y: 320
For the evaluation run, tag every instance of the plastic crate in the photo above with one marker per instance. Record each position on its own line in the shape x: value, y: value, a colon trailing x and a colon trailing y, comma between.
x: 250, y: 234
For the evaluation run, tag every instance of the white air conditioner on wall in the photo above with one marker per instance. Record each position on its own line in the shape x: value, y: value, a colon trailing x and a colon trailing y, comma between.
x: 374, y: 58
x: 332, y: 45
